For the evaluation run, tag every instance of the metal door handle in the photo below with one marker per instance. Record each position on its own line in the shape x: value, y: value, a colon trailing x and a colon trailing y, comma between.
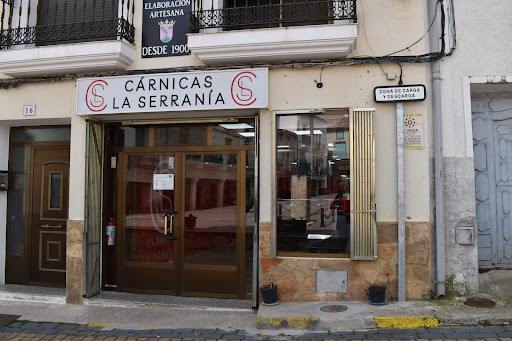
x: 169, y: 218
x: 47, y: 226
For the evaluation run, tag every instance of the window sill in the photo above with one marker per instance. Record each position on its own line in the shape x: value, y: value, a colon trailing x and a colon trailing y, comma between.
x: 275, y: 44
x: 65, y: 59
x: 284, y: 254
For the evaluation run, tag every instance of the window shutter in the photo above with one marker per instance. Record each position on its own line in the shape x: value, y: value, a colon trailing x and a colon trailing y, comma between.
x: 363, y: 243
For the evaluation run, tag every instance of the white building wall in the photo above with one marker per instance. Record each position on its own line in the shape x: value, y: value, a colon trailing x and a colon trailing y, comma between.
x: 483, y: 49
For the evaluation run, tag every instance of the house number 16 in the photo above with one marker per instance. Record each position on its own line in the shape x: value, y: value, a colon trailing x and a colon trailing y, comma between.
x: 29, y: 110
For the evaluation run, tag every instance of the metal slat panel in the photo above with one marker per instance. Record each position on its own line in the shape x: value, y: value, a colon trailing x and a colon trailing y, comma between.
x: 362, y: 180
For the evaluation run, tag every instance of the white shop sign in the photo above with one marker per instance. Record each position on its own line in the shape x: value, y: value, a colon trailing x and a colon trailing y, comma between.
x: 236, y: 89
x: 404, y: 93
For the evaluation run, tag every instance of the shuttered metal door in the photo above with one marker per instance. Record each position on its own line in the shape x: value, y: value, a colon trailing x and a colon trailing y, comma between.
x: 362, y: 184
x: 68, y: 21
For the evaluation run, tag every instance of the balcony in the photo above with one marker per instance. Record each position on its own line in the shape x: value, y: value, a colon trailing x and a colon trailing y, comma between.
x: 47, y: 37
x: 248, y: 31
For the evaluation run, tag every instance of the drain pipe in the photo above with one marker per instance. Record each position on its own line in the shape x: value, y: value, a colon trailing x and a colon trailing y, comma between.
x: 438, y: 153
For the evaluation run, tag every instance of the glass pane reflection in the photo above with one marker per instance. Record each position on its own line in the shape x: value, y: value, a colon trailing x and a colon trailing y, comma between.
x: 211, y: 207
x: 145, y: 209
x: 55, y: 190
x: 313, y: 189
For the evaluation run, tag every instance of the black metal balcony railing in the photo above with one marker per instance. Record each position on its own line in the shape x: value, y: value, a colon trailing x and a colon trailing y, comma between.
x: 68, y: 21
x: 248, y: 14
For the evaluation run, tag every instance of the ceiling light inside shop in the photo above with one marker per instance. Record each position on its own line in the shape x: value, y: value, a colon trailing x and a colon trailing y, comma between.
x: 247, y: 134
x: 236, y: 126
x: 283, y: 146
x: 307, y: 132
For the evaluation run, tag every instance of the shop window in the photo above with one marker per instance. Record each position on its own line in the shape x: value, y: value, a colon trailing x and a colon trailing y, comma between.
x: 324, y: 187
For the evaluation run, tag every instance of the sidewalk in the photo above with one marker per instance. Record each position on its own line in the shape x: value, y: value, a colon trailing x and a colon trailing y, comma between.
x: 122, y: 313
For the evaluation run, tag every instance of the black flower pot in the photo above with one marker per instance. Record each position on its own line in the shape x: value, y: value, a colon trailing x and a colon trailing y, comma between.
x: 269, y: 294
x: 377, y: 294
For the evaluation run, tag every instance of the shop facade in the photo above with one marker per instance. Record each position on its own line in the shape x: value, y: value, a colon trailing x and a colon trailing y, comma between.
x: 218, y: 177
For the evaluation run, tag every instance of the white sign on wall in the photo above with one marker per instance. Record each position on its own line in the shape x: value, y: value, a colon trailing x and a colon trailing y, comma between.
x: 234, y: 89
x: 413, y: 131
x: 402, y: 93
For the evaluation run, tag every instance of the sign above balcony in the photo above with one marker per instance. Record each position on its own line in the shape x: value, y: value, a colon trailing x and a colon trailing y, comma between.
x: 234, y: 89
x: 165, y: 25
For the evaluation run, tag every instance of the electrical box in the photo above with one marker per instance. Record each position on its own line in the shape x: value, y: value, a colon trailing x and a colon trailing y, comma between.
x: 464, y: 235
x: 4, y: 181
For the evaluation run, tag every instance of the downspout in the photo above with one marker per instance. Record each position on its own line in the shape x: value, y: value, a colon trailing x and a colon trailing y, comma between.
x: 438, y: 153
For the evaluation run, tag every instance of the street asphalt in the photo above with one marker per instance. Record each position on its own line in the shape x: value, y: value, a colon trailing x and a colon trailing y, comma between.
x: 24, y: 330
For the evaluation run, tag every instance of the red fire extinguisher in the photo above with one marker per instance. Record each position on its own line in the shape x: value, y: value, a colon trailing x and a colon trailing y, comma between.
x: 111, y: 232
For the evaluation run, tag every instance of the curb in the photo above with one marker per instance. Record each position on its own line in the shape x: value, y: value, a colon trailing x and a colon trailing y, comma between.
x: 296, y: 322
x: 406, y: 322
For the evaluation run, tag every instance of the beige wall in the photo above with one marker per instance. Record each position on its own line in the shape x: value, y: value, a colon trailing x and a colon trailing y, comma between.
x: 383, y: 27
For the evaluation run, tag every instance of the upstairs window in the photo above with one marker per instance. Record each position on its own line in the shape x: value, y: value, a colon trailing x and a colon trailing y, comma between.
x: 48, y: 22
x: 251, y: 14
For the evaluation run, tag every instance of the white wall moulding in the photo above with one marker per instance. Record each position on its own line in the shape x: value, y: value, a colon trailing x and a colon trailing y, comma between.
x: 275, y: 44
x: 69, y: 58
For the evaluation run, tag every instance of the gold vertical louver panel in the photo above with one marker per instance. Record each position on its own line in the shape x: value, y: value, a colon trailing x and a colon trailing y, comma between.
x: 363, y: 242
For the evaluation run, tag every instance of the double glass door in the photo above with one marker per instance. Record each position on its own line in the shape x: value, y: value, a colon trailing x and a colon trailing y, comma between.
x: 183, y: 223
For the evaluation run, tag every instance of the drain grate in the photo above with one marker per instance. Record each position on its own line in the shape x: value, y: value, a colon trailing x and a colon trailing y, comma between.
x: 479, y: 303
x: 336, y: 308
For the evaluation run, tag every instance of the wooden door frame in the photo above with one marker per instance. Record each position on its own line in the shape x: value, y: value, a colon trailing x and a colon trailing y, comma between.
x: 180, y: 153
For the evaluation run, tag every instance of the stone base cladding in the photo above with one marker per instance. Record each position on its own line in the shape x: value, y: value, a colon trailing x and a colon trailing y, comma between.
x: 295, y: 276
x: 74, y: 261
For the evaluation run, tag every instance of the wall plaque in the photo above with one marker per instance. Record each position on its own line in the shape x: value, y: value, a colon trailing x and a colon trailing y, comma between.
x: 165, y: 25
x: 331, y: 281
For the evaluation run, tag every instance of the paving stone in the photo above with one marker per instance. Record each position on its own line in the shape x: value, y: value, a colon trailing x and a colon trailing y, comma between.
x: 357, y: 337
x: 48, y: 326
x: 227, y: 332
x: 431, y: 336
x: 508, y: 328
x: 466, y: 329
x: 184, y: 330
x: 492, y: 329
x: 505, y: 334
x: 483, y: 335
x: 457, y: 335
x: 345, y: 332
x: 408, y: 336
x: 31, y: 326
x: 15, y: 325
x: 391, y: 331
x: 257, y: 337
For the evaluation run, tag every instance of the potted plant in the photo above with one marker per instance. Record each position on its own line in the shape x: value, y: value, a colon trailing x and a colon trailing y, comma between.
x: 377, y: 294
x: 269, y: 294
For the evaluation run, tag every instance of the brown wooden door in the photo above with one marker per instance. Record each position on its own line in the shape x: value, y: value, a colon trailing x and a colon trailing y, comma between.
x: 207, y: 258
x: 49, y: 215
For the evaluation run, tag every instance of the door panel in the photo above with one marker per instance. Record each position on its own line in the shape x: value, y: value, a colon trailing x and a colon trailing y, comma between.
x: 211, y: 224
x: 50, y: 187
x: 503, y: 167
x: 149, y: 260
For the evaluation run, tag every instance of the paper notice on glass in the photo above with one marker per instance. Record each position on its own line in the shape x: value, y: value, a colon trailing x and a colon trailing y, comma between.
x: 163, y: 182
